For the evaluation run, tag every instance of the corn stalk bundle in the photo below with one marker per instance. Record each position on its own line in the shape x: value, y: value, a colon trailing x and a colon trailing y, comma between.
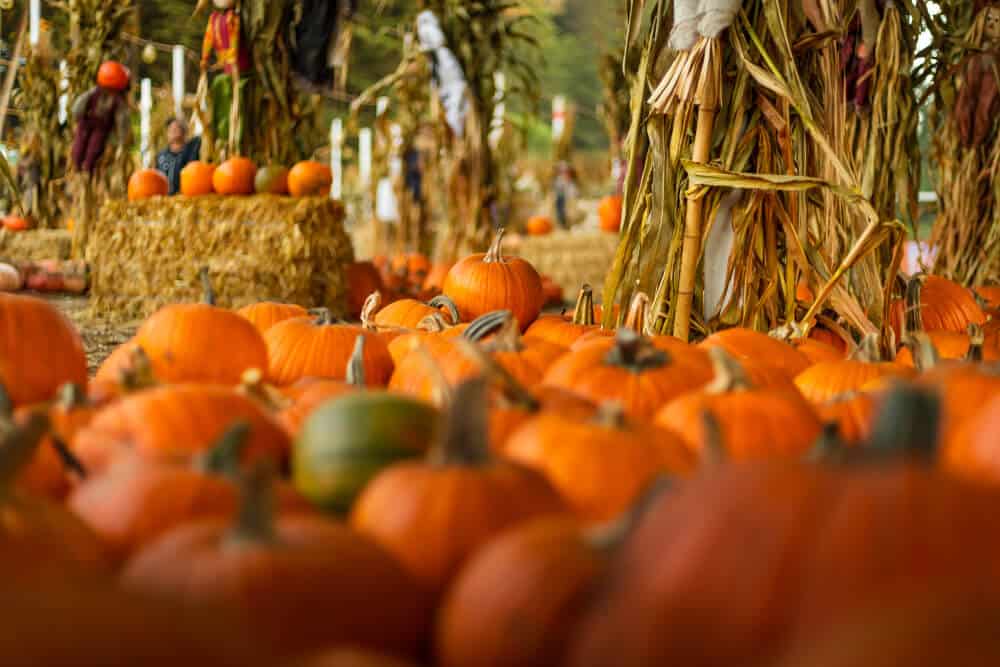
x: 614, y: 108
x: 791, y: 185
x: 965, y: 149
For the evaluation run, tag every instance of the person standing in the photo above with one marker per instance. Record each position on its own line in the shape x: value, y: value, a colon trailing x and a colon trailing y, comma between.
x: 178, y: 153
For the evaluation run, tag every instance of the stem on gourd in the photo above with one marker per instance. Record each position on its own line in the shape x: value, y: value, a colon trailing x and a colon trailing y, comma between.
x: 18, y: 446
x: 908, y: 425
x: 635, y: 353
x: 495, y: 252
x: 638, y: 313
x: 369, y: 309
x: 442, y: 301
x: 729, y: 374
x: 976, y: 339
x: 67, y: 457
x: 225, y: 455
x: 610, y: 414
x: 610, y: 536
x: 583, y: 314
x: 868, y: 351
x: 138, y: 375
x: 512, y: 389
x: 925, y: 355
x: 323, y: 316
x: 484, y: 325
x: 208, y: 292
x: 829, y: 447
x: 356, y: 364
x: 913, y: 321
x: 466, y: 434
x: 433, y: 323
x: 508, y: 336
x: 714, y: 451
x: 255, y: 519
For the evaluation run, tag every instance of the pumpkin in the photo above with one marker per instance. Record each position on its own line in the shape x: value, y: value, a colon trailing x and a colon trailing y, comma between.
x: 630, y: 370
x: 348, y: 441
x: 147, y: 183
x: 609, y: 213
x: 327, y: 585
x: 305, y: 347
x: 990, y: 295
x: 271, y: 180
x: 10, y: 279
x: 827, y: 542
x: 539, y: 225
x: 972, y: 445
x: 409, y: 313
x: 235, y: 176
x: 196, y: 179
x: 824, y: 334
x: 749, y: 344
x: 16, y: 223
x: 314, y: 392
x: 852, y: 413
x: 126, y: 370
x: 944, y: 306
x: 413, y: 266
x: 947, y: 345
x: 552, y: 292
x: 754, y: 423
x: 432, y: 516
x: 173, y: 424
x: 817, y: 351
x: 599, y: 466
x: 310, y: 178
x: 113, y: 76
x: 431, y: 326
x: 362, y: 279
x: 198, y: 342
x: 829, y: 379
x: 481, y: 284
x: 434, y: 282
x: 40, y: 350
x: 266, y: 314
x: 133, y: 503
x: 563, y: 330
x: 518, y: 599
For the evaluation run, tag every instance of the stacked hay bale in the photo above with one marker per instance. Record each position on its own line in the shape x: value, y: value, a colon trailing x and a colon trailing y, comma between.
x: 148, y: 253
x: 35, y: 245
x: 570, y: 259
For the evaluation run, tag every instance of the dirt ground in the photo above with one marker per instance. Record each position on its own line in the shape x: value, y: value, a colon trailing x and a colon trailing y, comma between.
x: 99, y: 337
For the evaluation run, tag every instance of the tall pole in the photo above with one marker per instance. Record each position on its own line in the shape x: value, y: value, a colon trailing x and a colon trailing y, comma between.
x: 64, y: 95
x: 145, y: 127
x: 178, y: 81
x: 337, y: 159
x: 35, y: 25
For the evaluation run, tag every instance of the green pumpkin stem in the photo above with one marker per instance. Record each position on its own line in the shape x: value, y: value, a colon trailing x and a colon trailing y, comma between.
x: 356, y: 364
x: 225, y: 455
x: 466, y: 435
x: 208, y: 291
x: 487, y: 324
x: 908, y: 426
x: 583, y: 314
x: 913, y: 321
x: 442, y: 301
x: 255, y: 519
x: 729, y: 375
x: 495, y: 252
x: 512, y: 389
x: 635, y: 353
x: 18, y: 446
x: 925, y: 354
x: 976, y: 340
x: 868, y: 351
x: 323, y: 316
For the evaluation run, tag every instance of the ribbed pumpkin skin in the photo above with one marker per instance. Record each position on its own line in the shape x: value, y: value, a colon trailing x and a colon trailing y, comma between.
x: 39, y: 350
x: 201, y: 343
x: 558, y: 330
x: 196, y: 179
x: 173, y: 424
x: 344, y: 444
x: 517, y: 600
x: 407, y: 314
x: 307, y: 399
x: 853, y: 414
x: 950, y: 345
x: 147, y: 183
x: 300, y: 348
x: 945, y: 306
x: 825, y: 381
x: 235, y: 176
x: 266, y: 314
x: 760, y: 348
x: 309, y: 178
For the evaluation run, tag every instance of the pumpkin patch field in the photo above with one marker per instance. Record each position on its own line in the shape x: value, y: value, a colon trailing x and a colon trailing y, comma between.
x: 464, y: 479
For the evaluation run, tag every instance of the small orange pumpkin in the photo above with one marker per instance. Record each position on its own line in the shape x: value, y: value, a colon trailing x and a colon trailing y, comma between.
x: 196, y: 179
x: 147, y: 183
x: 266, y: 314
x: 563, y: 330
x: 15, y: 223
x: 235, y: 176
x: 309, y: 178
x: 409, y: 313
x: 609, y: 212
x: 539, y: 225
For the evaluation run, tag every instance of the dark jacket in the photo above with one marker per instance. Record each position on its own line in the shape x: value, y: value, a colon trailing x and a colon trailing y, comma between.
x: 171, y: 163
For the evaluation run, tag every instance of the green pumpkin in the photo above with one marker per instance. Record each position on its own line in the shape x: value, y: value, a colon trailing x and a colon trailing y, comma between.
x: 271, y: 180
x: 351, y: 439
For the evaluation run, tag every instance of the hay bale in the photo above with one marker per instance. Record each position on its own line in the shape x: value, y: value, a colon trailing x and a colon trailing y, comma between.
x: 35, y: 245
x: 146, y: 254
x: 570, y: 258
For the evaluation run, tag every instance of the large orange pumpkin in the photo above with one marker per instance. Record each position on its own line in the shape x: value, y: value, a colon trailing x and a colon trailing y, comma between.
x: 40, y: 350
x: 266, y: 314
x: 481, y: 284
x: 829, y: 379
x: 196, y: 179
x: 235, y: 176
x: 759, y: 347
x: 309, y: 178
x: 609, y: 211
x: 147, y: 183
x: 943, y: 306
x: 539, y: 225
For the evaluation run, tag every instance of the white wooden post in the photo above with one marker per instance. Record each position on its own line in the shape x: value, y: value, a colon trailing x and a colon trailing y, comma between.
x: 499, y: 109
x: 63, y: 96
x: 337, y: 158
x: 381, y: 106
x: 178, y: 81
x: 365, y: 159
x: 34, y: 22
x: 558, y: 117
x: 146, y: 110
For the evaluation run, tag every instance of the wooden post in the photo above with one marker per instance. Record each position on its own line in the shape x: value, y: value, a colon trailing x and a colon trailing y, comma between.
x: 145, y: 111
x: 35, y: 30
x: 337, y: 158
x: 365, y: 139
x: 178, y: 81
x: 8, y: 83
x: 64, y: 95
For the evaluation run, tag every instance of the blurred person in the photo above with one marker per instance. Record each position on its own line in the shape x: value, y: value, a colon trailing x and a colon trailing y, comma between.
x: 178, y: 153
x: 565, y: 189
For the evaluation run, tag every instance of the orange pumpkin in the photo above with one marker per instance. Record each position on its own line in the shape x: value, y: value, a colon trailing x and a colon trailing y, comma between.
x: 434, y: 282
x: 196, y: 179
x: 174, y: 424
x: 266, y: 314
x: 363, y: 279
x: 853, y: 414
x: 601, y: 466
x: 127, y: 369
x: 609, y: 212
x: 827, y: 380
x: 432, y: 516
x: 310, y: 178
x: 305, y: 347
x: 409, y: 313
x: 944, y: 306
x: 481, y: 284
x: 949, y: 346
x: 147, y: 183
x: 40, y: 350
x: 16, y: 223
x: 113, y: 75
x: 314, y: 393
x: 235, y: 176
x: 539, y: 225
x: 749, y: 344
x: 563, y: 330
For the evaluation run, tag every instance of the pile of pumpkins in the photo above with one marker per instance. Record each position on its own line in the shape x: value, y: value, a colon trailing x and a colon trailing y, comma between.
x: 235, y: 176
x: 50, y: 275
x: 609, y: 216
x: 469, y: 482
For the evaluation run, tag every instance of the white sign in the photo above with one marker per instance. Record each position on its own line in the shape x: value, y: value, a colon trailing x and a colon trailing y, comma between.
x: 178, y: 81
x: 337, y: 158
x: 34, y: 22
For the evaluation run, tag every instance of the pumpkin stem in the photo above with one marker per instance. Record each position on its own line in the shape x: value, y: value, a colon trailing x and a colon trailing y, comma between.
x: 6, y: 404
x: 638, y: 313
x: 508, y: 336
x: 908, y: 425
x: 208, y: 292
x: 829, y: 447
x: 433, y: 323
x: 714, y: 451
x: 442, y: 388
x: 255, y: 519
x: 610, y: 414
x: 18, y: 446
x: 71, y: 395
x: 583, y: 314
x: 252, y: 384
x: 484, y: 325
x: 68, y: 458
x: 225, y: 455
x: 635, y: 353
x: 139, y: 373
x: 868, y: 351
x: 729, y: 375
x: 371, y: 306
x: 976, y: 340
x: 465, y: 442
x: 356, y: 364
x: 925, y: 355
x: 512, y: 389
x: 495, y: 253
x: 323, y: 316
x: 610, y: 536
x: 913, y: 321
x: 442, y: 301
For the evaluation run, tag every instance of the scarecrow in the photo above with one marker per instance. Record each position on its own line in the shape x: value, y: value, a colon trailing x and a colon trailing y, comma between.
x: 232, y: 57
x: 98, y: 112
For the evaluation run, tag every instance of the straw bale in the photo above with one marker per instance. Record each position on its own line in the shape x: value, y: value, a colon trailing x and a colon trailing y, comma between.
x: 570, y: 258
x: 35, y: 245
x: 148, y: 253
